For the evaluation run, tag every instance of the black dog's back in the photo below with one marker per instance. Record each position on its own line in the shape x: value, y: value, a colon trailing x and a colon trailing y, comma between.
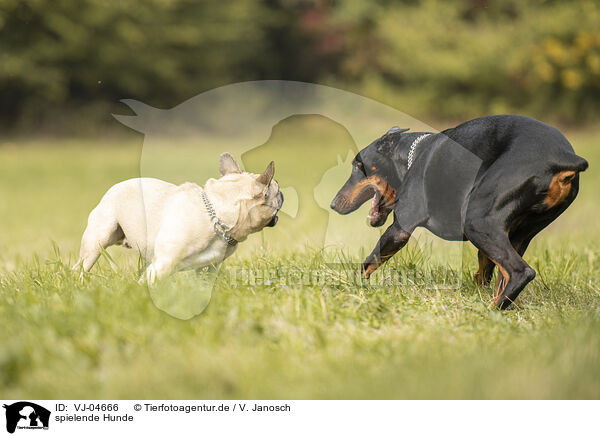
x: 524, y: 138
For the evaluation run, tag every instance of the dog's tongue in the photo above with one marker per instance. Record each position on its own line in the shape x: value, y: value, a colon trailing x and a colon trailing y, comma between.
x: 374, y: 213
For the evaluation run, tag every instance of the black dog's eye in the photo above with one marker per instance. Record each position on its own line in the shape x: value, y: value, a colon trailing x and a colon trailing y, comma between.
x: 359, y: 165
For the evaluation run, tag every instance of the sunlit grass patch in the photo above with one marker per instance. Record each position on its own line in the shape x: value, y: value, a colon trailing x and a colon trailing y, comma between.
x: 282, y: 321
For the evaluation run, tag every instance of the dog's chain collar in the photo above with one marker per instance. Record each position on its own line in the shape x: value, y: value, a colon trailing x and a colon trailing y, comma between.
x: 219, y: 226
x: 411, y: 153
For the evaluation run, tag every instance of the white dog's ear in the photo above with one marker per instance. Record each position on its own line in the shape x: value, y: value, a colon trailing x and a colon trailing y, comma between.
x: 227, y: 164
x: 266, y: 177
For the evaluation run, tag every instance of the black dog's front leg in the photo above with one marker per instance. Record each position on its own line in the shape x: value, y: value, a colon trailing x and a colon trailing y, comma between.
x: 392, y: 240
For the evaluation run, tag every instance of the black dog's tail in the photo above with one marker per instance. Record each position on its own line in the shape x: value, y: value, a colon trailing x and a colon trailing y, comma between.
x: 571, y: 162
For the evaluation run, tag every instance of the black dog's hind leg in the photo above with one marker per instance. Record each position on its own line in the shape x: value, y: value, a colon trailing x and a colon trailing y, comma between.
x: 493, y: 241
x: 392, y: 240
x: 484, y: 274
x: 486, y: 266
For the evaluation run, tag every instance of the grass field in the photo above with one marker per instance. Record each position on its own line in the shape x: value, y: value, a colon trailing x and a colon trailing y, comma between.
x: 104, y: 337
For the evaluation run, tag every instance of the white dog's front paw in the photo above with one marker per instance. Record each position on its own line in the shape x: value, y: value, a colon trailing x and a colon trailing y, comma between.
x: 149, y: 277
x: 142, y: 279
x: 157, y: 270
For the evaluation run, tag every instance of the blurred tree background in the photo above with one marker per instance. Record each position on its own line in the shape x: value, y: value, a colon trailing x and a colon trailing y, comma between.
x: 65, y: 64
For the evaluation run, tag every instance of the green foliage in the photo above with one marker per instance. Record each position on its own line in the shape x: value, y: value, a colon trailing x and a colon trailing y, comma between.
x: 429, y: 58
x: 464, y: 59
x: 67, y: 54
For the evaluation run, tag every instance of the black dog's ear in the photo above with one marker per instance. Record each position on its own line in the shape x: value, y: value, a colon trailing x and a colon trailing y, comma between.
x: 396, y: 129
x: 387, y: 143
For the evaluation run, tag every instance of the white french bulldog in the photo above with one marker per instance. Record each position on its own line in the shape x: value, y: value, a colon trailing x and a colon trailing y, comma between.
x: 185, y: 226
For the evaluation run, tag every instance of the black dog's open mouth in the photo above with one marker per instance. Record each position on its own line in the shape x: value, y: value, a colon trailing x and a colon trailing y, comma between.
x: 380, y: 207
x: 376, y: 209
x: 381, y: 202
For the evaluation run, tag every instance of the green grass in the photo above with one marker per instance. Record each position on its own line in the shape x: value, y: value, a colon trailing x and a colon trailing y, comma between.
x: 104, y: 337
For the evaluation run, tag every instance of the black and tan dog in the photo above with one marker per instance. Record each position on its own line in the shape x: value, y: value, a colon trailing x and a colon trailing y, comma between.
x: 496, y: 181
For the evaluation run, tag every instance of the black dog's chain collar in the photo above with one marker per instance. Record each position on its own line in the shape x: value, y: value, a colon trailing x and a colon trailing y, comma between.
x: 411, y: 153
x: 219, y: 226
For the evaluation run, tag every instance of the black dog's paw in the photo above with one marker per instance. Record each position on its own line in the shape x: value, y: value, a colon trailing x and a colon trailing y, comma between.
x: 367, y: 268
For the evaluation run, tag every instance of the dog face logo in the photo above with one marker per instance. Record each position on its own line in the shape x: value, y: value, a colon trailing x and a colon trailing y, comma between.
x: 303, y: 127
x: 26, y: 415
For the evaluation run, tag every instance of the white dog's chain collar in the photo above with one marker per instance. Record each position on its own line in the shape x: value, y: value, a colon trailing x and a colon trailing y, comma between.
x: 220, y: 227
x: 411, y: 153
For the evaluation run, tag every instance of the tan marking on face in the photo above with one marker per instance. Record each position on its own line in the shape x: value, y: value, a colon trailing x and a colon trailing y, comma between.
x: 374, y: 168
x: 501, y: 283
x: 387, y: 192
x: 559, y: 188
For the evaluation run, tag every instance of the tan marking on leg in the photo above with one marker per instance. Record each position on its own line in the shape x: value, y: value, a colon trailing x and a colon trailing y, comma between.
x: 484, y: 263
x: 372, y: 267
x: 559, y: 188
x: 500, y: 285
x: 501, y: 282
